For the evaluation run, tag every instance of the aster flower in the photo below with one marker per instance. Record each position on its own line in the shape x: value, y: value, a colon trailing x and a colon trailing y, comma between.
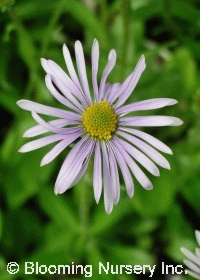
x: 194, y: 259
x: 95, y: 120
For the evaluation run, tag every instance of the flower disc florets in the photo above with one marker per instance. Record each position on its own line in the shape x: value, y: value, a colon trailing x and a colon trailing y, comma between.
x: 99, y: 120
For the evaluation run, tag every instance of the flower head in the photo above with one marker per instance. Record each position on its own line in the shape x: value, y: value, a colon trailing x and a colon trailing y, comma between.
x: 98, y: 125
x: 194, y: 259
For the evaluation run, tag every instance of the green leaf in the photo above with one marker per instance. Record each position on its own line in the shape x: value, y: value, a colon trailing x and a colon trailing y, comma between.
x: 185, y: 11
x: 88, y: 20
x: 144, y: 226
x: 22, y: 228
x: 94, y: 258
x: 191, y: 191
x: 186, y: 66
x: 175, y: 236
x: 130, y: 255
x: 35, y: 9
x: 158, y: 200
x: 151, y: 9
x: 8, y: 101
x: 103, y: 222
x: 25, y: 42
x: 3, y: 270
x: 59, y: 209
x: 5, y: 4
x: 192, y: 45
x: 1, y: 224
x: 17, y: 190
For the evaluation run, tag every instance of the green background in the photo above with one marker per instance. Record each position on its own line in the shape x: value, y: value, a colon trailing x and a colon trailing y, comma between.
x: 150, y: 228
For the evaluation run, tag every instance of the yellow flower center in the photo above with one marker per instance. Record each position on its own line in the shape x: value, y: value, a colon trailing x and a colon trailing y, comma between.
x: 99, y: 120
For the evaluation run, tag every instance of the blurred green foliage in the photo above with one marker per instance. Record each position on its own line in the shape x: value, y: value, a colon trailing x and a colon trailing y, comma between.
x: 36, y: 225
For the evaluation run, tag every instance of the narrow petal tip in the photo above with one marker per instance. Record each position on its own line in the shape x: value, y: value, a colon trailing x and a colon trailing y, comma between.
x: 97, y: 198
x: 156, y: 172
x: 42, y: 163
x: 58, y: 189
x: 142, y: 60
x: 170, y: 152
x: 166, y: 165
x: 56, y: 192
x: 109, y: 209
x: 130, y: 192
x: 197, y: 233
x: 177, y: 121
x: 20, y: 103
x: 149, y: 187
x: 95, y: 44
x: 184, y: 250
x: 43, y: 62
x: 78, y: 44
x: 26, y: 134
x: 22, y: 150
x: 64, y: 47
x: 173, y: 101
x: 112, y: 55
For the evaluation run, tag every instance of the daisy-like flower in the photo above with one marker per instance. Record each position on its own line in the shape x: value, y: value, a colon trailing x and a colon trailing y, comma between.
x: 98, y: 125
x: 193, y: 263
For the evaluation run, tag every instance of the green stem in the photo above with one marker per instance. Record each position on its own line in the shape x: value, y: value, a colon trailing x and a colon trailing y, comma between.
x: 15, y: 18
x: 103, y: 13
x: 169, y: 21
x: 25, y: 43
x: 46, y: 39
x: 125, y: 39
x: 85, y: 195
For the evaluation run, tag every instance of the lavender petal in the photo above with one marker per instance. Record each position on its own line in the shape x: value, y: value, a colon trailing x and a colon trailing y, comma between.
x: 77, y: 99
x: 132, y: 81
x: 150, y: 121
x: 192, y: 266
x: 67, y: 176
x: 149, y: 104
x: 39, y: 129
x: 108, y: 192
x: 61, y: 98
x: 137, y: 172
x: 80, y: 61
x: 97, y: 176
x: 106, y: 72
x: 70, y: 67
x: 53, y: 153
x: 124, y: 168
x: 47, y: 110
x: 149, y: 139
x: 84, y: 167
x: 148, y: 150
x: 53, y: 128
x: 190, y: 255
x: 193, y: 274
x: 60, y: 77
x: 112, y: 96
x: 42, y: 142
x: 114, y: 175
x: 95, y: 65
x: 197, y: 233
x: 73, y: 154
x: 139, y: 156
